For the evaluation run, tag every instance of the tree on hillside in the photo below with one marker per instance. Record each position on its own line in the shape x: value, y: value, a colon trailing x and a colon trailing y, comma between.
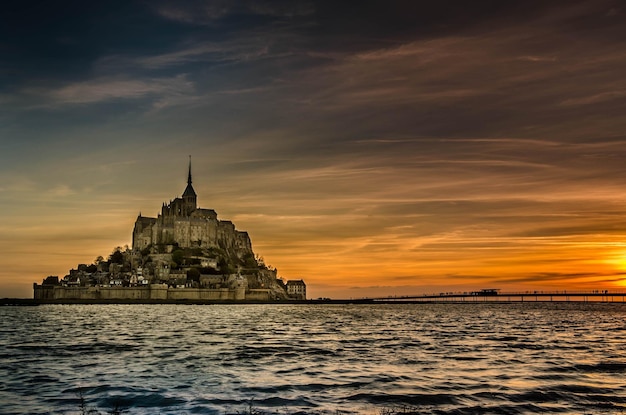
x: 193, y: 274
x: 225, y: 266
x: 146, y: 251
x: 117, y: 257
x: 178, y: 256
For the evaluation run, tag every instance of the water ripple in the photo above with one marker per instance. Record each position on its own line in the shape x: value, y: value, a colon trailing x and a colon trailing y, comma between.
x: 314, y: 359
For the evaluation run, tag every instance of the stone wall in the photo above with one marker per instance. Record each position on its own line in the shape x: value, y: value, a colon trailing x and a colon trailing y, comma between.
x: 258, y: 295
x: 151, y: 292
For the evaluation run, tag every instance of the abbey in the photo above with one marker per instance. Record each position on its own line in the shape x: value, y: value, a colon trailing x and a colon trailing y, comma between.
x: 183, y: 223
x: 184, y: 254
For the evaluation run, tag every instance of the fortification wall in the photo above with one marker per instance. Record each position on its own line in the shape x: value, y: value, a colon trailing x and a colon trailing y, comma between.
x: 259, y: 294
x: 152, y: 292
x: 200, y: 294
x: 158, y: 291
x: 118, y: 293
x: 91, y: 293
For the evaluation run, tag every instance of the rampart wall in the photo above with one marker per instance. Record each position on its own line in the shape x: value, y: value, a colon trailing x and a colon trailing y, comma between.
x: 153, y: 292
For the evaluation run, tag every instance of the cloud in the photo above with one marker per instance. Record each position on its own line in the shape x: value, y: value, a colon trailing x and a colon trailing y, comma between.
x: 201, y: 12
x: 164, y: 91
x: 196, y: 12
x: 596, y: 98
x: 216, y: 53
x: 99, y: 90
x: 538, y: 58
x: 62, y: 190
x: 247, y: 47
x: 178, y: 57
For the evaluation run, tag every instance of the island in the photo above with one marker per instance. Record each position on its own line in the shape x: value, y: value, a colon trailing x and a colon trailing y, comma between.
x: 184, y: 254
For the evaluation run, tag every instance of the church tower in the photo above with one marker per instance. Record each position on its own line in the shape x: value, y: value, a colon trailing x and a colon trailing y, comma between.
x: 189, y: 195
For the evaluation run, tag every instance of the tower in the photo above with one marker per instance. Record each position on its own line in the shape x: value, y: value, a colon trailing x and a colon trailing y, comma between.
x: 189, y: 195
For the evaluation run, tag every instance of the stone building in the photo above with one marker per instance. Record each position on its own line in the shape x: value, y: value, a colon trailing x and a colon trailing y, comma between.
x: 181, y: 221
x: 296, y: 289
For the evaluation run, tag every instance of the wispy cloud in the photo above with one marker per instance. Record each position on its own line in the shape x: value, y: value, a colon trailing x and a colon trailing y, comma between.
x: 99, y: 90
x: 162, y: 91
x: 538, y: 58
x: 62, y: 190
x: 201, y: 12
x: 596, y: 98
x: 212, y: 52
x: 193, y: 12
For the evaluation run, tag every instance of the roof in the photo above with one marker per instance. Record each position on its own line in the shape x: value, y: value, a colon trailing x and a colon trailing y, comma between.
x: 145, y: 220
x: 189, y: 191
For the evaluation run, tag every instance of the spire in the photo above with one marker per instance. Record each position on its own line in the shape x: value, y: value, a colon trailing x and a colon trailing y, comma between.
x: 189, y: 177
x: 189, y: 195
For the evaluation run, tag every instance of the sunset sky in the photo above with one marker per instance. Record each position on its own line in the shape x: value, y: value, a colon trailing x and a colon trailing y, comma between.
x: 396, y: 147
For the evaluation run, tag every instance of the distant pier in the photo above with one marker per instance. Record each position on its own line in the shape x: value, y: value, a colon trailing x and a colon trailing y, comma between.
x: 494, y: 296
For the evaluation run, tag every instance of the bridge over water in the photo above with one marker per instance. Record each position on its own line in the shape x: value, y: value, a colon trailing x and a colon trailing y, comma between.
x: 595, y: 296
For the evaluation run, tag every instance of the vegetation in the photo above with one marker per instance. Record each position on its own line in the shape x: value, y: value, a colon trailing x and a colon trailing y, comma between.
x: 193, y: 274
x: 178, y: 258
x: 116, y: 257
x: 165, y: 263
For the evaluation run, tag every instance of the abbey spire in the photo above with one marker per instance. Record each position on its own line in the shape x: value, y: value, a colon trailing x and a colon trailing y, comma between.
x: 189, y: 195
x: 189, y: 176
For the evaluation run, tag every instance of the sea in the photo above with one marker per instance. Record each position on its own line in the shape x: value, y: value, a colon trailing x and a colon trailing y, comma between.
x: 379, y: 359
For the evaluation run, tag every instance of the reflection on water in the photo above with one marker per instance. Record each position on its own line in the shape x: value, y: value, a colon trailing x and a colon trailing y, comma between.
x: 445, y: 358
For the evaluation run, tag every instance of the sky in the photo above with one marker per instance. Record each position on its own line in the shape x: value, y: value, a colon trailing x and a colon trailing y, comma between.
x: 389, y: 148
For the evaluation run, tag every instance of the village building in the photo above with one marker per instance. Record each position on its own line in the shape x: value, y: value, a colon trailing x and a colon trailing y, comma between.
x: 296, y: 289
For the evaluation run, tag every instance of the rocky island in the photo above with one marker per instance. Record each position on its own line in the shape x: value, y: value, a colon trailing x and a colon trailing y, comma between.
x: 184, y: 254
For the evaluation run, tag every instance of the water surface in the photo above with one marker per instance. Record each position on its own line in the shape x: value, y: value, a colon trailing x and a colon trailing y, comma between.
x: 314, y: 359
